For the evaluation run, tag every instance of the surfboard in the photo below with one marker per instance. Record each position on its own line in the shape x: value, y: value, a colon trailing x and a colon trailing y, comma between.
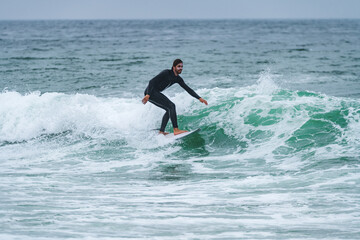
x: 182, y: 135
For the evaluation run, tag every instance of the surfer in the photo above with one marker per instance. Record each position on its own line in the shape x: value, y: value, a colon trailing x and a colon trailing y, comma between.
x: 158, y: 84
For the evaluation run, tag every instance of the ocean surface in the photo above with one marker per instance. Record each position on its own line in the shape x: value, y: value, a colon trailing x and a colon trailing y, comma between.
x: 277, y: 157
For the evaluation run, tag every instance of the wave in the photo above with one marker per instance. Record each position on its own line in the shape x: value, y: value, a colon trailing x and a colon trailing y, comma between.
x: 279, y: 122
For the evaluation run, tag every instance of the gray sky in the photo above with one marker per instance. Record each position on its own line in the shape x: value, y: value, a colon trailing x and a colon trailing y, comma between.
x: 178, y: 9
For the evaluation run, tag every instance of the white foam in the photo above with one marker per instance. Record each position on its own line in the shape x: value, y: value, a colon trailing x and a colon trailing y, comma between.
x: 28, y: 116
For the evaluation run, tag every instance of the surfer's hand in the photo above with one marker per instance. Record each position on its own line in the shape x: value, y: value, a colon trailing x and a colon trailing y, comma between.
x: 203, y: 101
x: 145, y: 99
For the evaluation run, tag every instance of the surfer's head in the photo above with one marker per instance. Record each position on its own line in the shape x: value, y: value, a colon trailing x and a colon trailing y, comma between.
x: 177, y: 66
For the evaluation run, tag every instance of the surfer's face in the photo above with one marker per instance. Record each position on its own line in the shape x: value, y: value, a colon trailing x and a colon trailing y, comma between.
x: 178, y: 68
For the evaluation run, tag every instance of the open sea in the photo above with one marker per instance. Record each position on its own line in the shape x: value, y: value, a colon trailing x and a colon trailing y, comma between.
x: 277, y: 157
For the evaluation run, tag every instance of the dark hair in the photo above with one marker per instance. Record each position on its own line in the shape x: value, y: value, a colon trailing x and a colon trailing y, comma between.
x: 176, y: 62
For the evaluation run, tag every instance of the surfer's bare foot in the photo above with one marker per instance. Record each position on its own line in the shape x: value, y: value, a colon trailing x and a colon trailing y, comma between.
x: 178, y: 131
x: 163, y: 133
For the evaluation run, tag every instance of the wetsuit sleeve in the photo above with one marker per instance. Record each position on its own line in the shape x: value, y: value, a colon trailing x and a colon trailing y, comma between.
x: 151, y: 86
x: 154, y: 82
x: 188, y: 89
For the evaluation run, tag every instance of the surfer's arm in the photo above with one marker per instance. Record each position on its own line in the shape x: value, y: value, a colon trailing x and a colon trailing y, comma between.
x: 150, y: 88
x: 188, y: 89
x: 191, y: 92
x: 155, y: 82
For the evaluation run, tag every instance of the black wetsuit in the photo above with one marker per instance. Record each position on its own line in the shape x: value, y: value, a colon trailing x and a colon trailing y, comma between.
x: 158, y: 84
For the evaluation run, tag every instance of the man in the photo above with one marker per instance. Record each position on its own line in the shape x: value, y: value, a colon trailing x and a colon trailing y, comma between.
x: 158, y: 84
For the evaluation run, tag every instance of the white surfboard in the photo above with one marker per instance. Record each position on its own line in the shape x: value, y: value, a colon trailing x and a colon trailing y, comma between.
x: 181, y: 135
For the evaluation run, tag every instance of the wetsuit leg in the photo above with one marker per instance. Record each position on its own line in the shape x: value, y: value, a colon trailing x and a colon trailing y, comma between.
x: 163, y: 102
